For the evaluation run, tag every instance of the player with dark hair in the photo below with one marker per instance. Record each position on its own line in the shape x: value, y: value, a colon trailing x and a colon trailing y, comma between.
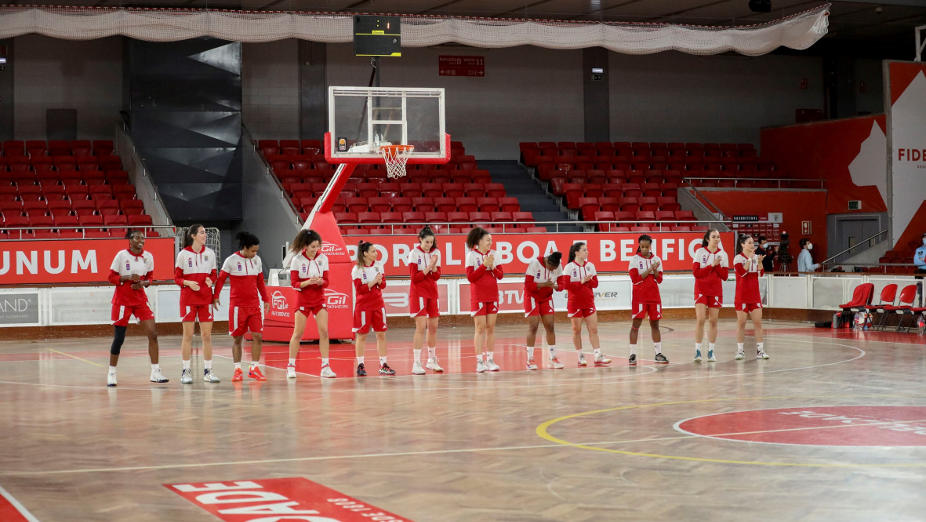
x: 308, y: 274
x: 711, y: 269
x: 369, y: 279
x: 540, y: 281
x: 195, y: 272
x: 646, y: 275
x: 748, y: 268
x: 483, y: 273
x: 580, y: 279
x: 424, y: 269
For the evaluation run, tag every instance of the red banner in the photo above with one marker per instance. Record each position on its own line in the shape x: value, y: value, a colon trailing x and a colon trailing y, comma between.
x: 74, y: 261
x: 293, y: 498
x: 395, y: 295
x: 510, y: 297
x: 610, y: 252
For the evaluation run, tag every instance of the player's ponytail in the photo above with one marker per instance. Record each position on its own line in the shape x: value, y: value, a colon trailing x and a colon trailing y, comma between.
x: 574, y: 249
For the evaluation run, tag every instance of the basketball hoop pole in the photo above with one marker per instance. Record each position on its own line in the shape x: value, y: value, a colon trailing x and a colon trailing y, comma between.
x: 328, y: 198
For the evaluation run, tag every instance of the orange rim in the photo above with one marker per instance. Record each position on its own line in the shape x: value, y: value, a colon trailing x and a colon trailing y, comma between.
x: 396, y: 148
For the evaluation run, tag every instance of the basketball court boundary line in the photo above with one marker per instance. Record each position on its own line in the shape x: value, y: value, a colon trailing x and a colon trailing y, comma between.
x: 17, y: 506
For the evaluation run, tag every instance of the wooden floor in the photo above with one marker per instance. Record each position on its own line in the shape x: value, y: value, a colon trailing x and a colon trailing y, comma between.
x: 574, y: 444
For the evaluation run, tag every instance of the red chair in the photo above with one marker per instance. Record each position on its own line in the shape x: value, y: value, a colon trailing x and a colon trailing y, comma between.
x: 413, y: 217
x: 888, y: 294
x: 488, y: 204
x: 457, y: 217
x: 391, y: 217
x: 904, y: 305
x: 861, y: 297
x: 522, y: 217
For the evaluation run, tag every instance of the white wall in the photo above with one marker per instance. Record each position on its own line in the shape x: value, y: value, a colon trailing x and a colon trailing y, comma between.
x: 527, y: 93
x: 67, y: 74
x: 726, y: 98
x: 270, y: 89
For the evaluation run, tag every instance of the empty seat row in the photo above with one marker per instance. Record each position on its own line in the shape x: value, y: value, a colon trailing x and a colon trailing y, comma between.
x: 433, y: 217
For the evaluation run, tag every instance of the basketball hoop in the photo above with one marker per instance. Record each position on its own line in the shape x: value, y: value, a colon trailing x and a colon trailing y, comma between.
x: 396, y: 156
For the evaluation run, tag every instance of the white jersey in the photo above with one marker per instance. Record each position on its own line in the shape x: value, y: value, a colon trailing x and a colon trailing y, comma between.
x: 127, y: 264
x: 367, y: 273
x: 191, y: 262
x: 238, y: 266
x: 576, y: 273
x: 475, y: 258
x: 642, y: 264
x: 309, y: 268
x: 541, y: 273
x: 755, y: 265
x: 704, y: 258
x: 419, y: 257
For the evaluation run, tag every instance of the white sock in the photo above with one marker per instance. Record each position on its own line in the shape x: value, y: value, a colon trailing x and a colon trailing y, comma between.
x: 490, y: 356
x: 657, y: 347
x: 237, y: 365
x: 112, y: 369
x: 739, y: 347
x: 155, y: 367
x: 633, y: 349
x: 382, y: 360
x: 255, y: 364
x: 324, y: 361
x: 597, y: 352
x: 698, y: 346
x: 207, y: 364
x: 760, y: 347
x: 432, y: 352
x: 360, y: 360
x: 530, y: 352
x: 292, y: 361
x: 478, y: 357
x: 710, y: 347
x: 552, y: 351
x: 417, y: 355
x: 186, y: 365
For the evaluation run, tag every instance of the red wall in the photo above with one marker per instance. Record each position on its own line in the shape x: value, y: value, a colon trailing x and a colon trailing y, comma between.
x: 795, y: 205
x: 825, y: 150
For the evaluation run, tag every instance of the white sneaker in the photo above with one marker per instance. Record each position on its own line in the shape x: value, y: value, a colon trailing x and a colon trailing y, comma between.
x: 582, y: 361
x: 697, y: 357
x: 761, y: 355
x: 739, y: 356
x: 710, y: 356
x: 531, y: 365
x: 186, y: 376
x: 601, y: 359
x: 480, y: 366
x: 433, y: 366
x: 111, y: 379
x: 555, y: 364
x: 291, y: 371
x: 210, y: 376
x: 491, y: 366
x: 158, y: 377
x: 417, y: 369
x: 327, y: 372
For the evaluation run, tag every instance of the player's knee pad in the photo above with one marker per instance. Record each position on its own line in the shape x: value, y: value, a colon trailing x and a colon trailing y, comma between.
x: 118, y: 339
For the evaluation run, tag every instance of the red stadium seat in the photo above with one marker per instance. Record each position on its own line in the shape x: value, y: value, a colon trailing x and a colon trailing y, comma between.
x: 499, y: 216
x: 391, y: 217
x: 413, y: 217
x: 457, y: 217
x: 139, y: 220
x: 488, y: 204
x: 369, y: 217
x: 522, y: 217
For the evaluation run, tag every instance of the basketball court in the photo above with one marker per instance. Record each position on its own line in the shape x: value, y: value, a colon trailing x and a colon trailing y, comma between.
x: 830, y: 427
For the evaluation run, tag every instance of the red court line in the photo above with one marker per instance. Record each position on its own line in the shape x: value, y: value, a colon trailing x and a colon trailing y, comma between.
x: 12, y: 511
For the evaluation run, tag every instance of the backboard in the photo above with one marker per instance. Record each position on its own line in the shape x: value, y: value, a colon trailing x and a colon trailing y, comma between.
x: 363, y: 119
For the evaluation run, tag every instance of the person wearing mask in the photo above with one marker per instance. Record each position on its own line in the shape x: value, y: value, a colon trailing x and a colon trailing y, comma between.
x: 919, y: 258
x: 804, y: 259
x: 768, y: 262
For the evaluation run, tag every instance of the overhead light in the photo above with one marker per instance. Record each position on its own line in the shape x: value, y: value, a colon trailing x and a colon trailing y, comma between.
x: 760, y: 6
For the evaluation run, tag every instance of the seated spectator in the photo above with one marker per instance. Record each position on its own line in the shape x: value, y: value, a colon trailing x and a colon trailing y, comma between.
x: 804, y: 259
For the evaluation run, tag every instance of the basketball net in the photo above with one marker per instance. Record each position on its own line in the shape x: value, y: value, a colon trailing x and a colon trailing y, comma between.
x: 396, y: 156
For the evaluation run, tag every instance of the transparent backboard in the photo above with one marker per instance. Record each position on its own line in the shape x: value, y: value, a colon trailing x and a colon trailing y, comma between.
x: 363, y: 119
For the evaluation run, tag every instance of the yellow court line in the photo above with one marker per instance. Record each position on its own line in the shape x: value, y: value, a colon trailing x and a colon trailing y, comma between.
x: 77, y: 358
x: 542, y: 432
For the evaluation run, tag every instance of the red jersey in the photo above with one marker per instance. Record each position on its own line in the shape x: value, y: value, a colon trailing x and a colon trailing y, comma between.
x: 126, y: 264
x: 708, y: 278
x: 301, y: 268
x: 369, y: 299
x: 195, y: 266
x: 747, y: 281
x: 423, y: 285
x: 247, y: 281
x: 483, y: 282
x: 645, y: 289
x: 581, y: 295
x: 537, y: 272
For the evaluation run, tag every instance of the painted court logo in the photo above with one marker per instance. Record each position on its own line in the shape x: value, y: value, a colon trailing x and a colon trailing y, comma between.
x: 817, y: 426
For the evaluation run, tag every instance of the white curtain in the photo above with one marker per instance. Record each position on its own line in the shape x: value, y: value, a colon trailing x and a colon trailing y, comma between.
x: 799, y: 31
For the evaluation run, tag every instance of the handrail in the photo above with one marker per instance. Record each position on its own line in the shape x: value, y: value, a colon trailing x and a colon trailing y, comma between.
x: 82, y: 228
x: 735, y: 181
x: 639, y: 224
x: 862, y: 242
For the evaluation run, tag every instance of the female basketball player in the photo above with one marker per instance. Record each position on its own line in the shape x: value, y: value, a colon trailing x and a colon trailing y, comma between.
x: 748, y: 268
x: 195, y: 272
x: 711, y: 269
x: 308, y: 274
x: 580, y: 280
x: 646, y: 275
x: 483, y: 272
x: 369, y: 279
x: 245, y: 272
x: 540, y: 281
x: 424, y: 268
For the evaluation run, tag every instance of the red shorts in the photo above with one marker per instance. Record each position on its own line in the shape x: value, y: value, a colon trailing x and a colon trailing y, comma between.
x: 121, y: 313
x: 485, y: 308
x: 423, y: 307
x: 712, y: 301
x: 244, y: 318
x: 641, y: 310
x: 535, y: 308
x: 310, y: 310
x: 581, y: 312
x: 747, y: 307
x: 190, y: 313
x: 364, y: 320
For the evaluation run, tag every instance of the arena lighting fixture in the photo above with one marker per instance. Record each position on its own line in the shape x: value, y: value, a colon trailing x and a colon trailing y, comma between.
x: 760, y: 6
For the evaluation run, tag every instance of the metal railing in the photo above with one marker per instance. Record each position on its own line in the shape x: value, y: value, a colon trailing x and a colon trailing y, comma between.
x: 19, y: 233
x: 505, y: 226
x: 738, y: 182
x: 867, y: 242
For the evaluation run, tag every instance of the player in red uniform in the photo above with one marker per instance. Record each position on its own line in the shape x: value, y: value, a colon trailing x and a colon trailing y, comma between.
x: 580, y: 280
x: 711, y: 268
x: 483, y: 273
x: 245, y: 273
x: 424, y: 269
x: 132, y: 271
x: 748, y: 268
x: 308, y: 274
x: 369, y: 279
x: 540, y: 281
x: 646, y: 275
x: 195, y: 273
